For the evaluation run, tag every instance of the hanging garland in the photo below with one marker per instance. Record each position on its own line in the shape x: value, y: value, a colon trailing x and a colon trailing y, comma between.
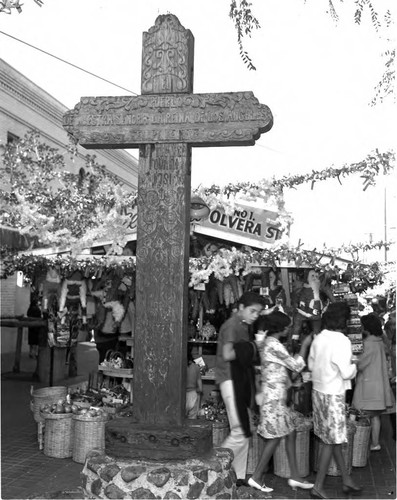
x: 223, y: 263
x: 271, y: 192
x: 35, y: 265
x: 374, y: 164
x: 7, y: 5
x: 227, y: 262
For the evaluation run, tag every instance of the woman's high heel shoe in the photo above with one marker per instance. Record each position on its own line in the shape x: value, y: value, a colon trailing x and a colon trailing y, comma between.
x: 351, y: 489
x: 300, y: 484
x: 257, y: 486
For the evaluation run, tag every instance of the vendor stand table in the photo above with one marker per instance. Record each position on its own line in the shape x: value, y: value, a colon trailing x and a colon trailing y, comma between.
x: 20, y: 324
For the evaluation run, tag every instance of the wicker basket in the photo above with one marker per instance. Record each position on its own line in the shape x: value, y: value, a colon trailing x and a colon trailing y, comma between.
x: 89, y: 433
x: 220, y: 431
x: 280, y: 458
x: 58, y: 436
x: 361, y: 444
x: 254, y: 451
x: 46, y: 395
x: 347, y: 452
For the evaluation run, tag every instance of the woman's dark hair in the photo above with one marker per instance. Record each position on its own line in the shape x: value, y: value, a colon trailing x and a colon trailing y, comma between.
x: 336, y: 316
x: 306, y: 274
x: 250, y: 298
x: 274, y: 322
x: 372, y: 324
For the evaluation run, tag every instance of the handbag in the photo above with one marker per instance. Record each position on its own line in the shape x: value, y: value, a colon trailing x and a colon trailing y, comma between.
x: 303, y: 399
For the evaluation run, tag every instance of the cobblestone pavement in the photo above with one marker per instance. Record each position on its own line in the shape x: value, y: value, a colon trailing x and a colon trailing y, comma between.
x: 27, y: 473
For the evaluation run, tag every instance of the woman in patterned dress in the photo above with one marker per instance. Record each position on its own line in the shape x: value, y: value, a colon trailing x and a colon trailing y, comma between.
x: 276, y: 418
x: 332, y: 366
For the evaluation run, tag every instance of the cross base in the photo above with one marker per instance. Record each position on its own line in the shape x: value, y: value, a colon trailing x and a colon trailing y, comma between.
x: 202, y: 477
x: 126, y: 439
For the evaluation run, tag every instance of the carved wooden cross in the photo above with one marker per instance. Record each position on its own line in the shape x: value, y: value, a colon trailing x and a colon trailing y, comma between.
x: 165, y: 122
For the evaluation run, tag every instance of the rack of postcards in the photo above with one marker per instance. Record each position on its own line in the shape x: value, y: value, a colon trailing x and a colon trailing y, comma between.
x: 354, y: 330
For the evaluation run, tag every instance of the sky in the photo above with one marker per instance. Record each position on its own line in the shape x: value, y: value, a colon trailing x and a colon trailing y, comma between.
x: 316, y: 76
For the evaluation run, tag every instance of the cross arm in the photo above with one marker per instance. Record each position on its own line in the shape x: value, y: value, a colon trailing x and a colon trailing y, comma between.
x: 216, y: 119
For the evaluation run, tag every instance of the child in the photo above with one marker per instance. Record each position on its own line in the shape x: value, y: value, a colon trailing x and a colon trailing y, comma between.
x: 194, y: 387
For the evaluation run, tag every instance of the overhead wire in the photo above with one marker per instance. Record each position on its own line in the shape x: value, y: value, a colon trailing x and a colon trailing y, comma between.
x: 67, y: 62
x: 95, y: 75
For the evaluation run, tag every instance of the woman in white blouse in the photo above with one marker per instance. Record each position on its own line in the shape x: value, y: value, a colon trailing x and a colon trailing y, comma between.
x: 330, y: 360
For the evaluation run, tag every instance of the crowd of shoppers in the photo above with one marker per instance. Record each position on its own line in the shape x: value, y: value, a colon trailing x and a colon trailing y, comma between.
x: 334, y: 370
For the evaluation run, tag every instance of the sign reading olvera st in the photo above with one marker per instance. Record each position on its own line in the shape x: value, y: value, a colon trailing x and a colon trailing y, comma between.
x: 197, y: 119
x: 253, y: 223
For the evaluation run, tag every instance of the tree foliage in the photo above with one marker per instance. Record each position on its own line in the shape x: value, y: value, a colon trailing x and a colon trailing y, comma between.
x: 41, y: 197
x: 245, y: 22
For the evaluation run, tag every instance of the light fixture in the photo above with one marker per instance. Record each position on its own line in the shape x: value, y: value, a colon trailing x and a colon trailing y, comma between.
x: 199, y: 210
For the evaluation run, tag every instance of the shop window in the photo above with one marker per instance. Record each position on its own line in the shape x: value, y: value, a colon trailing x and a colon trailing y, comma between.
x: 12, y: 138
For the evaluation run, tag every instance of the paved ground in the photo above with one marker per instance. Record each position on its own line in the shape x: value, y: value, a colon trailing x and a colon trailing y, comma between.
x: 27, y: 473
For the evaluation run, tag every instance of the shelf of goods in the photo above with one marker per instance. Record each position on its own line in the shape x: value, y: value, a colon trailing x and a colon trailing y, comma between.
x: 127, y: 339
x: 201, y: 343
x: 209, y: 374
x: 116, y: 372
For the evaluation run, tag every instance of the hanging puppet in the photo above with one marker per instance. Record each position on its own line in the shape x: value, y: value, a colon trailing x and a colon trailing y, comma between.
x: 73, y: 296
x: 309, y: 305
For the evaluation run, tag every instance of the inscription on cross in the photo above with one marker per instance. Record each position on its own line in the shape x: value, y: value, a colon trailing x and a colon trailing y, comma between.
x: 164, y: 122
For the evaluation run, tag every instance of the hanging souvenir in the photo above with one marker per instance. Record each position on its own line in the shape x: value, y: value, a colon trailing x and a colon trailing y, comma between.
x: 51, y: 287
x: 73, y: 293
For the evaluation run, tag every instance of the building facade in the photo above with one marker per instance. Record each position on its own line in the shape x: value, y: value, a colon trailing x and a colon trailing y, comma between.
x: 24, y: 106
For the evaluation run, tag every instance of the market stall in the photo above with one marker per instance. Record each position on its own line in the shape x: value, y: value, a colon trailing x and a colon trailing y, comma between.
x: 80, y: 293
x: 95, y: 291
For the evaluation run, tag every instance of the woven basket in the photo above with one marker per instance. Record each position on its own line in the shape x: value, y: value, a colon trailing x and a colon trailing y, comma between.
x: 347, y: 452
x: 361, y: 444
x: 89, y: 433
x: 220, y: 431
x: 280, y: 458
x: 255, y: 449
x: 58, y: 435
x: 46, y: 395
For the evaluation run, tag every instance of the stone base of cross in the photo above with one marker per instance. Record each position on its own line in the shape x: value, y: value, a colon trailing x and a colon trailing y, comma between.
x: 127, y: 439
x: 164, y: 122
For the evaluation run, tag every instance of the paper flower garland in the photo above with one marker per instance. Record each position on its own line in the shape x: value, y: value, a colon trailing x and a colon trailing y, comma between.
x: 222, y: 264
x: 374, y: 164
x: 227, y: 262
x: 36, y: 265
